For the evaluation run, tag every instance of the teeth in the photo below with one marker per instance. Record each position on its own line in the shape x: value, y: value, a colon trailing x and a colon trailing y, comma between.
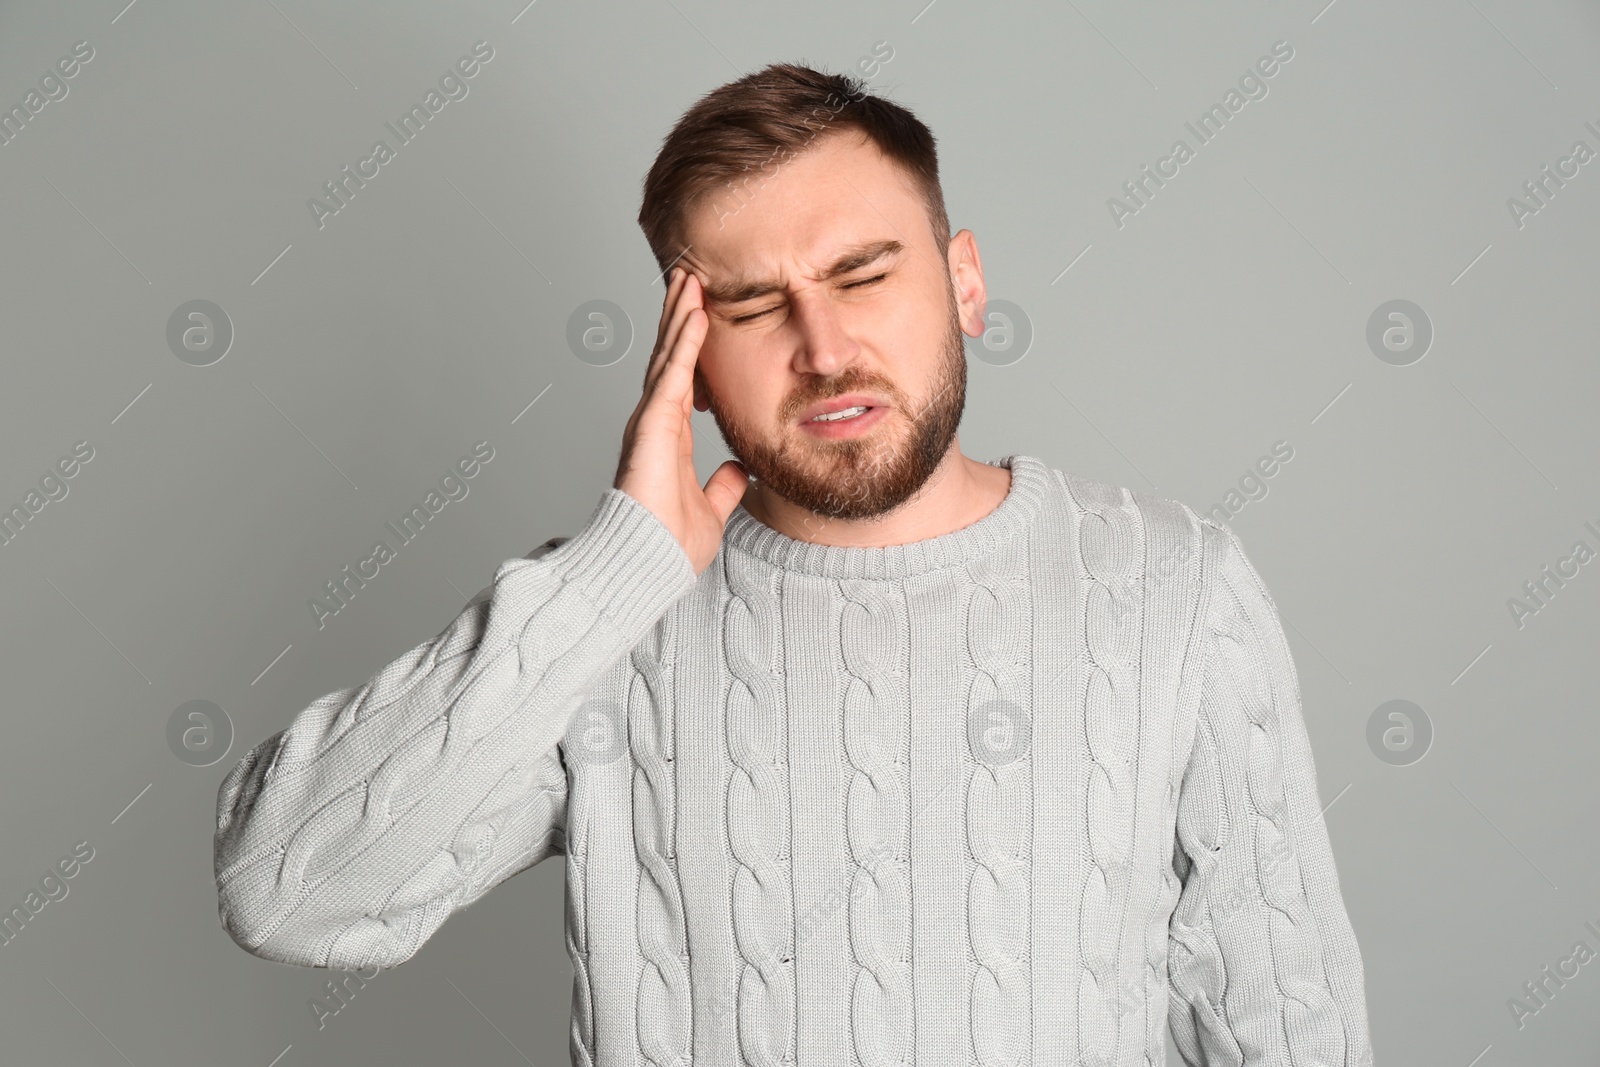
x: 836, y: 416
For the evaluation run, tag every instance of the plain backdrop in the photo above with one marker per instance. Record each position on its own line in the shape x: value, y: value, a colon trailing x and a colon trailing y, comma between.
x: 1172, y: 347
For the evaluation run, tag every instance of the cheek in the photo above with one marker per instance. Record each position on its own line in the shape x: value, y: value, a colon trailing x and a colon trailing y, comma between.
x: 908, y: 325
x: 732, y: 373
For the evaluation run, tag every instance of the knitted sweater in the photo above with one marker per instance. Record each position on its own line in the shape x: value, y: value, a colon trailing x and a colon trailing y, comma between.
x: 1022, y: 793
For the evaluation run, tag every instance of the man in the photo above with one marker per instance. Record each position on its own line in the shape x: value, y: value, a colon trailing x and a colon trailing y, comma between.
x: 865, y: 751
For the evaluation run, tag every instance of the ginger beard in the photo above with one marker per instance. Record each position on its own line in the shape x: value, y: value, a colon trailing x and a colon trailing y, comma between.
x: 860, y: 477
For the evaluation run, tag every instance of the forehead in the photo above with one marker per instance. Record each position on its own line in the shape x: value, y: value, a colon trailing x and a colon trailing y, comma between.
x: 798, y: 215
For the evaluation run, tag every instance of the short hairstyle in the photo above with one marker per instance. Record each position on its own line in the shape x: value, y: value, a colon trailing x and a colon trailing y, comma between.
x: 736, y: 136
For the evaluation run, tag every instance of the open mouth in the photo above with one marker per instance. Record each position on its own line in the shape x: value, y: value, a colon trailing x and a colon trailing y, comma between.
x: 846, y: 422
x: 840, y: 416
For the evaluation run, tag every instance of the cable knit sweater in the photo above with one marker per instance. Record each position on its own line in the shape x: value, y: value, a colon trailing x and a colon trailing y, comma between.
x: 1018, y: 794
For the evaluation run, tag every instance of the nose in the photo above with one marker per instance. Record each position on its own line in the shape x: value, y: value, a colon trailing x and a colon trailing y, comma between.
x: 826, y: 346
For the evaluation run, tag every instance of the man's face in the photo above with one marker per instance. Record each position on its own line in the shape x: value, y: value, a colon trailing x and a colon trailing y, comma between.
x: 824, y: 283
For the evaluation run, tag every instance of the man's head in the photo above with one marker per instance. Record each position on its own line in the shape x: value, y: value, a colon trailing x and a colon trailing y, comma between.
x: 811, y: 213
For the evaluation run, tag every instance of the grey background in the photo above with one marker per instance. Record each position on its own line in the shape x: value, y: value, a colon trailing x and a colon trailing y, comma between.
x: 1228, y: 314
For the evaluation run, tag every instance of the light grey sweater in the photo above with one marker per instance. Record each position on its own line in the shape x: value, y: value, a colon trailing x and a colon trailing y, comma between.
x: 1017, y: 794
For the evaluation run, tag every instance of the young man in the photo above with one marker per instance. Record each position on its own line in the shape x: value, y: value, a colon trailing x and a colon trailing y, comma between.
x: 864, y: 752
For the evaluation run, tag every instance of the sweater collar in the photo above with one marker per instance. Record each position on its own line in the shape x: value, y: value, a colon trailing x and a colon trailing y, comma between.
x: 1029, y: 480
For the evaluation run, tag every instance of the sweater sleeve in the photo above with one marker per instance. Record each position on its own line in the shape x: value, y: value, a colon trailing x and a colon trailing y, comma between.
x: 347, y: 839
x: 1263, y: 963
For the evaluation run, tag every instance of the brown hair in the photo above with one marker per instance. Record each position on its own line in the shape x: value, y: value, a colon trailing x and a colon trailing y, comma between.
x: 734, y: 138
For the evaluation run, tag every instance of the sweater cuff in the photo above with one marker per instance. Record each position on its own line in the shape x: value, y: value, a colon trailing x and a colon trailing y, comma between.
x: 626, y: 563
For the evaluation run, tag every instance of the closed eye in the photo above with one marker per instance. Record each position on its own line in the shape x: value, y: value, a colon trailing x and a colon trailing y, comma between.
x: 752, y: 316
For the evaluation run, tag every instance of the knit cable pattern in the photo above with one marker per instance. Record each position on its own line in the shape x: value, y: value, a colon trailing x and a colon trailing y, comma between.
x: 999, y: 806
x: 582, y: 1029
x: 346, y: 840
x: 349, y: 838
x: 370, y: 874
x: 1162, y: 599
x: 877, y: 808
x: 1108, y: 536
x: 1238, y: 815
x: 664, y: 1003
x: 758, y: 814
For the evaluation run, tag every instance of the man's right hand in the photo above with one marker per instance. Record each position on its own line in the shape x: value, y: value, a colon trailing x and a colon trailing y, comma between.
x: 657, y: 463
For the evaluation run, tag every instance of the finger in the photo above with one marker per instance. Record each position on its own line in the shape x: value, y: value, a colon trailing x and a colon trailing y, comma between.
x: 689, y: 298
x: 666, y: 343
x: 675, y: 276
x: 670, y: 399
x: 687, y: 305
x: 686, y: 451
x: 676, y: 377
x: 669, y: 305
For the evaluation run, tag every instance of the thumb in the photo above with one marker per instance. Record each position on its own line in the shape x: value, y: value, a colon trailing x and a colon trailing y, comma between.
x: 725, y: 488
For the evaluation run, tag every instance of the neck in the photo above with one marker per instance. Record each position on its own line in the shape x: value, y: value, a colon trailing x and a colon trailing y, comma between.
x: 958, y: 493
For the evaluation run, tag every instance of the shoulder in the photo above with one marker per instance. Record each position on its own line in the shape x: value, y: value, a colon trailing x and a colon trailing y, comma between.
x: 1153, y: 535
x: 1135, y: 534
x: 548, y: 547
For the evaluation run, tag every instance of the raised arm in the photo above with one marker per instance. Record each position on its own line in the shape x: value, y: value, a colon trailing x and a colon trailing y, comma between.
x: 348, y: 838
x: 1263, y: 963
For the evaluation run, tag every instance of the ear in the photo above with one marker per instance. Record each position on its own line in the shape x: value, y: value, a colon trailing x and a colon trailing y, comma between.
x: 966, y: 279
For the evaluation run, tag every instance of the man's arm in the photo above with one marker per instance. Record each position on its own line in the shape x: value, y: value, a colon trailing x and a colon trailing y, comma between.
x: 1263, y: 963
x: 347, y: 839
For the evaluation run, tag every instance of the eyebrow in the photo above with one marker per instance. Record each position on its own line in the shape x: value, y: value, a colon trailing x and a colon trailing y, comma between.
x: 740, y: 290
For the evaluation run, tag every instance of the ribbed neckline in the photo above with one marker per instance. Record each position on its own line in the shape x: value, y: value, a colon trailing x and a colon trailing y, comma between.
x: 1029, y: 480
